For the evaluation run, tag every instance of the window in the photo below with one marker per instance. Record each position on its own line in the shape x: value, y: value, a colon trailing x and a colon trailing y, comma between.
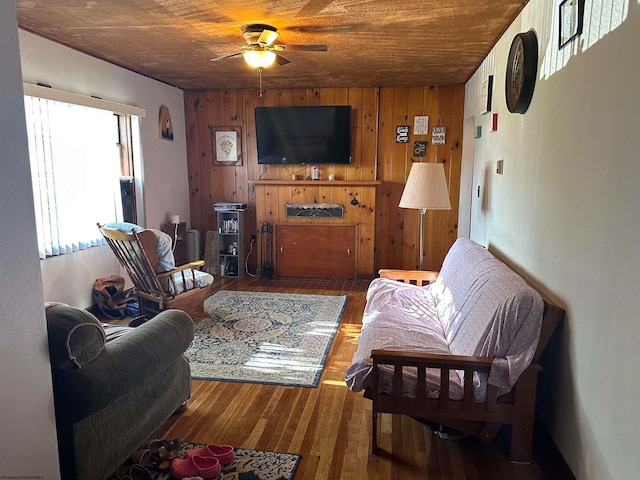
x: 76, y: 165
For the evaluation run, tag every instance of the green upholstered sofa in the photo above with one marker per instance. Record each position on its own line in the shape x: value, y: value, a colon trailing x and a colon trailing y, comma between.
x: 110, y: 396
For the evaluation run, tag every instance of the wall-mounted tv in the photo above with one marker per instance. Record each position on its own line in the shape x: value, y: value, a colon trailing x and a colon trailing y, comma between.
x: 303, y: 135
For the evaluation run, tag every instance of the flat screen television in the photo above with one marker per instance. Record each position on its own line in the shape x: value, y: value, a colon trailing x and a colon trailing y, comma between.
x: 304, y: 135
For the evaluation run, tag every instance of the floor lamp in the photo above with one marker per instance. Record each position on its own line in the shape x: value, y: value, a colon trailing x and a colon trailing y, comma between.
x: 426, y: 189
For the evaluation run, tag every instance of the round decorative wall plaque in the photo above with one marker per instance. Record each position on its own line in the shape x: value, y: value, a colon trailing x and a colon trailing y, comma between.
x: 522, y: 69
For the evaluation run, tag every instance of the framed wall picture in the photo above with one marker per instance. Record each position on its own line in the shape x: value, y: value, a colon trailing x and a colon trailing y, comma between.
x: 165, y: 127
x: 439, y: 136
x: 402, y: 134
x: 420, y: 148
x: 487, y: 92
x: 570, y: 21
x: 420, y: 125
x: 226, y: 146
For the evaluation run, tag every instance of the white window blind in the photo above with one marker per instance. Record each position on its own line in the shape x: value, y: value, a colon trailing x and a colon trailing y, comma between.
x: 75, y: 170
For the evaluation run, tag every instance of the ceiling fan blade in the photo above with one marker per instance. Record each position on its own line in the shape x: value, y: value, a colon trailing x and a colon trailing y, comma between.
x: 304, y: 47
x: 224, y: 57
x: 280, y: 60
x: 267, y: 37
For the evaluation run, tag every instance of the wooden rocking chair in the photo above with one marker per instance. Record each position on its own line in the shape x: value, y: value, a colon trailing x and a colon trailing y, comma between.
x: 157, y: 289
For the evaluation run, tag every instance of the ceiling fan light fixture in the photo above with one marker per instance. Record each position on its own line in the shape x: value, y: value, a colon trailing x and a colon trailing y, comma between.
x: 259, y: 58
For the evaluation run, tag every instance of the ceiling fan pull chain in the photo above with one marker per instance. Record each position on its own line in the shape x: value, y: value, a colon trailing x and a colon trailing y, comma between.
x: 260, y: 77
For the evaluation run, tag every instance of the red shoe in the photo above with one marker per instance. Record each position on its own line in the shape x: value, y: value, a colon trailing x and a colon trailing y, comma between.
x: 195, y: 466
x: 224, y: 453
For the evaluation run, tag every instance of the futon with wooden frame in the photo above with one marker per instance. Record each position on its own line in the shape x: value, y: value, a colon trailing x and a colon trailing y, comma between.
x: 475, y: 329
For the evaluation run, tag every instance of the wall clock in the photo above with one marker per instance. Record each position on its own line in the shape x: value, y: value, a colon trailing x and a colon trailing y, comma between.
x: 522, y: 69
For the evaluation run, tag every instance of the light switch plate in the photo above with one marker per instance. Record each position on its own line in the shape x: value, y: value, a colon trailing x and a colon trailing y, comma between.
x: 500, y: 167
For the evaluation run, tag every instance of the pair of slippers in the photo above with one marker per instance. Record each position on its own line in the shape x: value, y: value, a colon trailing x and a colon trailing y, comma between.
x: 204, y: 462
x: 157, y: 455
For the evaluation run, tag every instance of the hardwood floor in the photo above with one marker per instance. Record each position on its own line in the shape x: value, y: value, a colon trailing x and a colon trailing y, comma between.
x: 330, y: 425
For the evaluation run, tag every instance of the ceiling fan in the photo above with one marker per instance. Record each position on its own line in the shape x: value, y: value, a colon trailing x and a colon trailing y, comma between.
x: 261, y: 52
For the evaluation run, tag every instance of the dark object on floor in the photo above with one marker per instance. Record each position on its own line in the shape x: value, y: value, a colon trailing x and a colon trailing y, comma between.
x: 250, y: 464
x: 111, y: 396
x: 139, y: 320
x: 266, y: 233
x: 132, y: 310
x: 267, y: 270
x: 112, y: 299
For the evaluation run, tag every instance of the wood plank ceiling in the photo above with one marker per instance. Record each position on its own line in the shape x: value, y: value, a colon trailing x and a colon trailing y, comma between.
x: 370, y: 42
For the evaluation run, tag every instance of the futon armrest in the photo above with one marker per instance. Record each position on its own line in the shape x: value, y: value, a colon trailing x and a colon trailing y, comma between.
x: 422, y: 362
x: 124, y: 364
x: 431, y: 360
x: 417, y: 277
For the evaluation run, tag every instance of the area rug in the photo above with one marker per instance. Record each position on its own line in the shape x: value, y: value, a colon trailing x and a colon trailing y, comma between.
x: 263, y: 337
x: 247, y: 465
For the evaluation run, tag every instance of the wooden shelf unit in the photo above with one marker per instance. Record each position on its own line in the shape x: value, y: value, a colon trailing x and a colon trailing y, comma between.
x: 231, y: 243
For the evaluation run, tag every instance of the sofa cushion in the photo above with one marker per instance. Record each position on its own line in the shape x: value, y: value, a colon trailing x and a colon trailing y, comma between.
x: 164, y: 250
x: 184, y: 281
x: 400, y: 316
x: 487, y: 310
x: 76, y: 337
x: 124, y: 226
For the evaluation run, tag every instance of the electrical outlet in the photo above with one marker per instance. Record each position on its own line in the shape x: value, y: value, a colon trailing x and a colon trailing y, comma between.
x: 253, y: 238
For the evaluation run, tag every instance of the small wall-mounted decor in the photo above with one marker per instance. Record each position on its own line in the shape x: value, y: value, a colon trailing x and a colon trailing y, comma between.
x: 420, y: 125
x: 570, y: 21
x: 402, y: 134
x: 487, y: 91
x: 494, y: 122
x: 438, y: 135
x: 165, y: 128
x: 226, y: 145
x: 419, y: 148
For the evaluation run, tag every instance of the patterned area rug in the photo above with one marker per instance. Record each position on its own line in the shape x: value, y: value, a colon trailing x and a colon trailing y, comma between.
x: 247, y: 465
x: 260, y: 337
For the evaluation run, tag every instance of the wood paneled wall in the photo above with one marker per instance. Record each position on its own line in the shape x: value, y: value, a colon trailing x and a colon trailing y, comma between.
x: 376, y: 156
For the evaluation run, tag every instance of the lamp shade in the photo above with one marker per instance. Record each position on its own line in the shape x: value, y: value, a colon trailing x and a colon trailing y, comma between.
x: 426, y: 188
x: 259, y: 58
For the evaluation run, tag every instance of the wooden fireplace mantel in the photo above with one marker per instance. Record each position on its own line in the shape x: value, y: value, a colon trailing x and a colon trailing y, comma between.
x: 318, y: 183
x: 358, y: 197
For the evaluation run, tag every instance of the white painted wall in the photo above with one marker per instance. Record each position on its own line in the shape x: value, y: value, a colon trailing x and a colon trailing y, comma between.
x: 566, y: 212
x: 29, y: 445
x: 164, y: 163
